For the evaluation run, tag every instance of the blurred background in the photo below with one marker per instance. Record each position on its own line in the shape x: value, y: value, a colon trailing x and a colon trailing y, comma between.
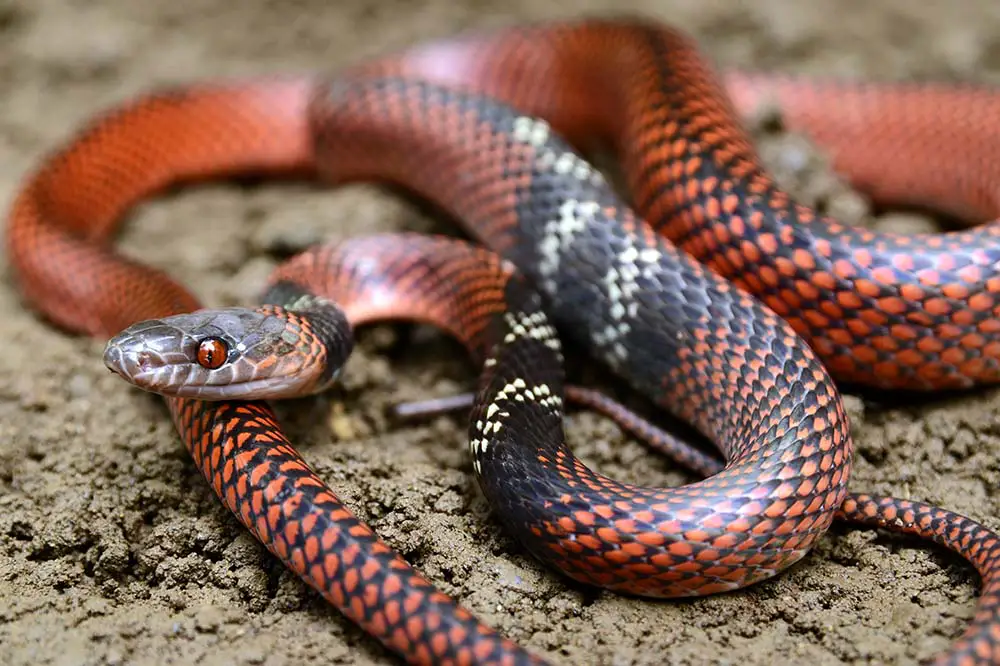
x: 114, y: 550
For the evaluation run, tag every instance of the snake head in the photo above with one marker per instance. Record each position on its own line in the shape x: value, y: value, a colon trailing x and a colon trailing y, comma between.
x: 232, y: 353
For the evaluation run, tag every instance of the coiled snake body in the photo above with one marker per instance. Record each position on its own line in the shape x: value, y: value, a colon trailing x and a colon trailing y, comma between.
x: 662, y: 296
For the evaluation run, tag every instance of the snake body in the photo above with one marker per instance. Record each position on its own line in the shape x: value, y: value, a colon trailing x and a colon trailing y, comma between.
x: 665, y: 296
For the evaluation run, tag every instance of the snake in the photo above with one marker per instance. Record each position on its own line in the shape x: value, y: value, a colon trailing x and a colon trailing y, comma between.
x: 709, y: 290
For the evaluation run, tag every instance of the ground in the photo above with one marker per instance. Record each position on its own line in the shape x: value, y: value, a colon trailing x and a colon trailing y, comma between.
x: 113, y: 549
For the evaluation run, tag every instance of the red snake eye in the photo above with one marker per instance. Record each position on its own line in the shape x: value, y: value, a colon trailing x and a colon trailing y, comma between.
x: 212, y: 353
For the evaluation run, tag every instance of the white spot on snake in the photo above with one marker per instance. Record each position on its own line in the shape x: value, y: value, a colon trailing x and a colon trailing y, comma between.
x: 517, y: 391
x: 622, y: 285
x: 571, y: 164
x: 533, y: 326
x: 558, y: 234
x: 520, y: 325
x: 537, y: 133
x: 531, y: 130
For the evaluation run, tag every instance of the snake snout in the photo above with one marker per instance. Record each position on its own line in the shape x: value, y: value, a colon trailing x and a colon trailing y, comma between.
x: 129, y: 363
x: 140, y: 357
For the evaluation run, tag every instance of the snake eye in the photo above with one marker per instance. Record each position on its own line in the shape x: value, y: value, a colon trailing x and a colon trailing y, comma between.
x: 212, y: 353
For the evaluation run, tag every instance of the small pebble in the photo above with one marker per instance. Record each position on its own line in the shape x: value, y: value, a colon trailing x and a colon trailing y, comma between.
x: 79, y: 386
x: 906, y: 224
x: 208, y: 619
x: 848, y: 207
x: 341, y: 424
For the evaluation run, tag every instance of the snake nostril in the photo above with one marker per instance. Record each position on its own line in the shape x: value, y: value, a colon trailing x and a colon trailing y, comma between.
x: 144, y: 361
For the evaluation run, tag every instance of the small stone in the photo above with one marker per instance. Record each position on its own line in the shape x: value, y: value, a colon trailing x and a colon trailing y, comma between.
x: 905, y: 224
x: 34, y: 400
x: 342, y: 424
x: 79, y: 386
x: 97, y: 607
x: 114, y: 555
x: 848, y: 207
x: 382, y: 337
x: 208, y: 619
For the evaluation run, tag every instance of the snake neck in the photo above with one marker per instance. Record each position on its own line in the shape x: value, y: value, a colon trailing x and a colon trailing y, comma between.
x: 316, y: 324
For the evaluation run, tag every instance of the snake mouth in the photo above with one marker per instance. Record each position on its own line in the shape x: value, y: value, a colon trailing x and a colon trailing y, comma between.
x: 269, y: 388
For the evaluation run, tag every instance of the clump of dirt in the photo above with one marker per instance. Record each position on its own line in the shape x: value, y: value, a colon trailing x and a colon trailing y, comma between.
x: 113, y: 549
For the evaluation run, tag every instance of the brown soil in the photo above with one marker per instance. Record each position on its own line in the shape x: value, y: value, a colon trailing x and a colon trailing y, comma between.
x: 113, y: 549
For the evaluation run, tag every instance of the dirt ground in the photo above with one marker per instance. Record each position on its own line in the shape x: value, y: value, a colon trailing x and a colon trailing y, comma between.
x: 114, y: 550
